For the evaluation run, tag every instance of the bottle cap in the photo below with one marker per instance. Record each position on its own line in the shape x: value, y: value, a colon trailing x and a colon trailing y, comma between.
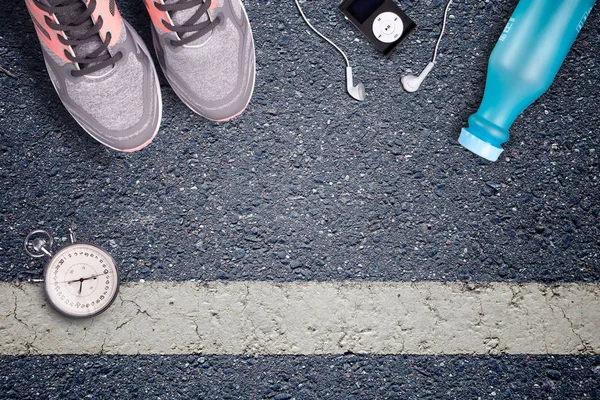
x: 478, y: 146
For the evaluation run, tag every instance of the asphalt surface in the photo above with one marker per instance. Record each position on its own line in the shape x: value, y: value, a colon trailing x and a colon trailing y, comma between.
x: 280, y: 378
x: 309, y: 184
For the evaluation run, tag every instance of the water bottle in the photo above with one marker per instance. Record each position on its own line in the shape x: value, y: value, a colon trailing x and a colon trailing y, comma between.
x: 521, y: 68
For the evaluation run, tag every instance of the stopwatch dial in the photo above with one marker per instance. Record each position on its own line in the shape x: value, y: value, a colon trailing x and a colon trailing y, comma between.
x: 81, y: 280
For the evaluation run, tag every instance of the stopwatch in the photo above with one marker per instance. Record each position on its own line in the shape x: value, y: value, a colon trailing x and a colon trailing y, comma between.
x: 80, y: 280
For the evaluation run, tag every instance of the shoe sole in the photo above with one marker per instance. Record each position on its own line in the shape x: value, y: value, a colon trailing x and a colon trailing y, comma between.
x: 253, y: 75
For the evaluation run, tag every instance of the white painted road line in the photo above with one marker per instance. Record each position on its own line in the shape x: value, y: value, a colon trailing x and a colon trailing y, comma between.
x: 312, y: 318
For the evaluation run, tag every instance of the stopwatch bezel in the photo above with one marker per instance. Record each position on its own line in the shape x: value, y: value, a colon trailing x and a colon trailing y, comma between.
x: 47, y: 281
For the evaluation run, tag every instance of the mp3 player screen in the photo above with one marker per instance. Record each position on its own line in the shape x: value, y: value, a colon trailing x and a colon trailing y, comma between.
x: 362, y: 9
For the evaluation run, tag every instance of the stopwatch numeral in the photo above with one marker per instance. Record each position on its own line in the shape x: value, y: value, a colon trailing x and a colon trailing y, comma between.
x: 106, y: 271
x: 101, y: 297
x: 106, y: 288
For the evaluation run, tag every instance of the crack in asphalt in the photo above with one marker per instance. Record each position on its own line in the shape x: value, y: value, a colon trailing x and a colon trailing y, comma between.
x: 138, y: 312
x: 15, y: 312
x: 585, y: 347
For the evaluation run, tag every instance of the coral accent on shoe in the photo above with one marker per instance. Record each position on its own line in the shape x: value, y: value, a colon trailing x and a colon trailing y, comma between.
x: 47, y: 35
x: 158, y: 16
x: 110, y: 23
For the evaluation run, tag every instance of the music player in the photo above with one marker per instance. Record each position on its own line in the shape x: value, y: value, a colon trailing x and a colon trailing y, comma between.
x: 381, y: 21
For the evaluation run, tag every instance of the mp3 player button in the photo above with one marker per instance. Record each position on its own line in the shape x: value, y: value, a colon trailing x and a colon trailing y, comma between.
x: 388, y: 27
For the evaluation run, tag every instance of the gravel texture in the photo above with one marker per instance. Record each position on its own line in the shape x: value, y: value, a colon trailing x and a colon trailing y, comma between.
x: 328, y: 377
x: 310, y: 184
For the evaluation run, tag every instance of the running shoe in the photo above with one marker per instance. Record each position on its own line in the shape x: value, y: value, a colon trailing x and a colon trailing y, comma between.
x: 206, y: 51
x: 101, y: 70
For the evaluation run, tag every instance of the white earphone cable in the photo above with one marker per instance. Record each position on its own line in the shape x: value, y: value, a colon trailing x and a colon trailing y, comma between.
x: 320, y: 34
x: 442, y: 31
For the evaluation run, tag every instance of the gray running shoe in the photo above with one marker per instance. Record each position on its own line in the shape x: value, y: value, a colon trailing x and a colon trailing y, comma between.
x: 206, y: 51
x: 101, y: 70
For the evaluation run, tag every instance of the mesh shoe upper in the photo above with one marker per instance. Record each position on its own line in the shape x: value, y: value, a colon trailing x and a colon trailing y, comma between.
x: 100, y: 69
x: 206, y: 51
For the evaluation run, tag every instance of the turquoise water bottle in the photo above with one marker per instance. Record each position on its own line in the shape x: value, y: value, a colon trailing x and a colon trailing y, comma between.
x: 521, y: 68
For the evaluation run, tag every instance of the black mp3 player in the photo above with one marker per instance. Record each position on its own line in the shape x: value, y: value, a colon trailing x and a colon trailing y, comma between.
x: 382, y: 21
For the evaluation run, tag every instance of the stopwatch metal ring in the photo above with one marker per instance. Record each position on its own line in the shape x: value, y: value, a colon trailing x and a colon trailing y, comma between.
x: 38, y: 243
x: 81, y: 280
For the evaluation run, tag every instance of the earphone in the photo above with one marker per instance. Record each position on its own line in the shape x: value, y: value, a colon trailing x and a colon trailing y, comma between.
x: 356, y: 91
x: 411, y: 83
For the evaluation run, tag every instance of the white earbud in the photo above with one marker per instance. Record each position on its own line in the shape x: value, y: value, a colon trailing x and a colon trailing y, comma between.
x: 411, y: 83
x: 358, y: 91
